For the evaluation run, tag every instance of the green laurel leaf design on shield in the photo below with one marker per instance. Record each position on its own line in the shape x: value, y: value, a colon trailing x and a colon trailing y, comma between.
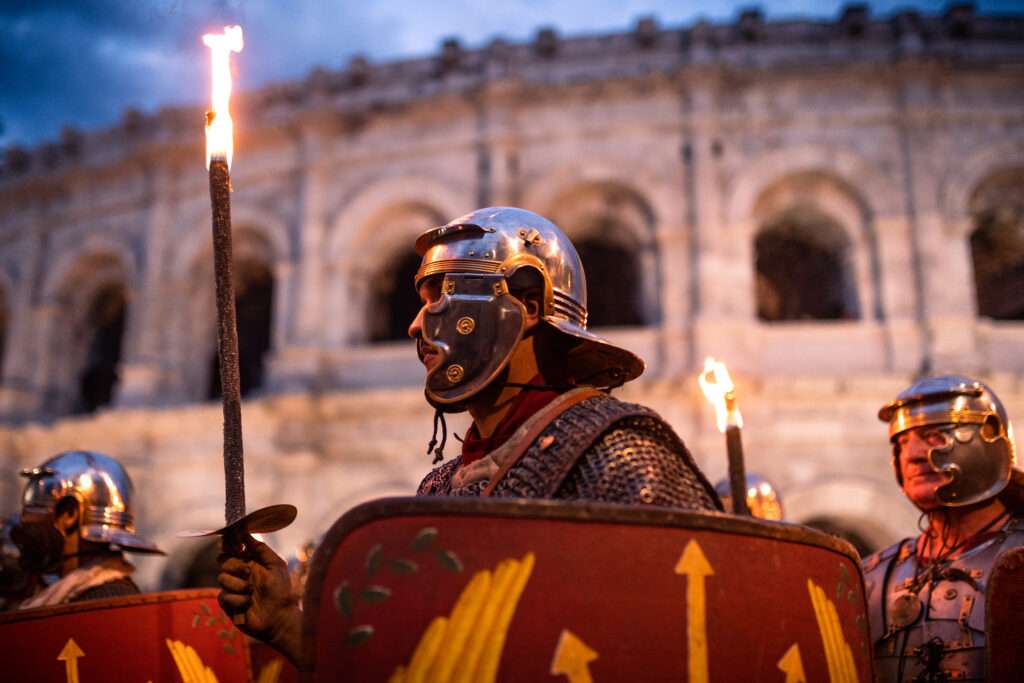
x: 343, y: 599
x: 424, y: 538
x: 449, y: 560
x: 375, y: 594
x: 401, y: 565
x: 359, y: 635
x: 373, y: 559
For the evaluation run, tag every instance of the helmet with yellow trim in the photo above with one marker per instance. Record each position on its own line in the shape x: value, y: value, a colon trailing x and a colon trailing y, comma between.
x: 978, y: 450
x: 476, y: 323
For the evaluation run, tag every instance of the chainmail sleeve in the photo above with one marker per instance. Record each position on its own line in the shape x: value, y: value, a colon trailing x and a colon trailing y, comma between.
x: 639, y: 460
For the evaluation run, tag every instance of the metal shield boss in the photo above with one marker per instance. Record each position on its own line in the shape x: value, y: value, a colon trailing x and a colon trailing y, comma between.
x: 474, y: 326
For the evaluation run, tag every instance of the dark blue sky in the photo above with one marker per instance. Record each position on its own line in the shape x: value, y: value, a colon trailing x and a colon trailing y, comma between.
x: 82, y: 62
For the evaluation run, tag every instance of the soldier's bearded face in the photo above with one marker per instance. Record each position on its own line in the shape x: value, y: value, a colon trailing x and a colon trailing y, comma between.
x: 920, y: 479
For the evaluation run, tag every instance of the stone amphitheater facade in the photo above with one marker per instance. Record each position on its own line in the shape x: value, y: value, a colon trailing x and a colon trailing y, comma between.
x: 887, y: 138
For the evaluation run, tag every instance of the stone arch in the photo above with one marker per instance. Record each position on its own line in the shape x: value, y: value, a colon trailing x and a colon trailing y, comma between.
x: 822, y: 228
x: 871, y: 187
x: 261, y: 254
x: 195, y: 243
x: 996, y: 241
x: 959, y: 185
x: 373, y: 234
x: 859, y: 505
x: 86, y: 300
x: 613, y: 227
x: 69, y: 265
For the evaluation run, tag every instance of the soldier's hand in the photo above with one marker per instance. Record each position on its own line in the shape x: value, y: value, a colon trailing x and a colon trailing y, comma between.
x: 258, y: 586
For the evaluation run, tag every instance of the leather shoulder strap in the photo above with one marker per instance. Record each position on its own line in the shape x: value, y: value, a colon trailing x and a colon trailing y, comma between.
x: 567, y: 457
x: 534, y: 426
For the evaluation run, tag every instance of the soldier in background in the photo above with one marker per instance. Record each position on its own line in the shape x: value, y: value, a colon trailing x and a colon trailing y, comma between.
x: 763, y: 498
x: 953, y: 455
x: 76, y: 523
x: 502, y: 334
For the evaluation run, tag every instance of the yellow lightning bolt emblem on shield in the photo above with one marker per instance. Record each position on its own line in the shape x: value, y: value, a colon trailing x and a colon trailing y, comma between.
x: 473, y: 633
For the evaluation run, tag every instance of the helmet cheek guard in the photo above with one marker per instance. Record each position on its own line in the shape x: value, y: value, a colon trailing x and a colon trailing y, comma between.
x: 977, y: 460
x: 474, y: 326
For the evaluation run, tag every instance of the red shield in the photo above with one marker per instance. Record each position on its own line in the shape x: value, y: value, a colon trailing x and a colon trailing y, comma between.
x: 453, y: 590
x: 172, y: 637
x: 1004, y: 617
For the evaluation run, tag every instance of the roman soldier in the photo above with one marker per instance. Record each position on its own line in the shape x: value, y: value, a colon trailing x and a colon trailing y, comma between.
x: 77, y: 523
x: 503, y: 335
x: 953, y: 456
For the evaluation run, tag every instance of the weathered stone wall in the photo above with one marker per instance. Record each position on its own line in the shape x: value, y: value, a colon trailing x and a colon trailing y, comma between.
x: 691, y: 139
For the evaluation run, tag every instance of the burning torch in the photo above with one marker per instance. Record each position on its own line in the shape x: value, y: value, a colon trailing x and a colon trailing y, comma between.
x: 219, y: 150
x: 719, y: 390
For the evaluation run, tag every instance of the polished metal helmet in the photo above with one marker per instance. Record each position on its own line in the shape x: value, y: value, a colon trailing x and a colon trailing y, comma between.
x: 475, y: 325
x: 979, y: 449
x: 763, y: 498
x: 103, y: 491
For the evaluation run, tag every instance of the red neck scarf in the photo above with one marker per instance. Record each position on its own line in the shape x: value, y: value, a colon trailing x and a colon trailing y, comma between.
x: 524, y: 405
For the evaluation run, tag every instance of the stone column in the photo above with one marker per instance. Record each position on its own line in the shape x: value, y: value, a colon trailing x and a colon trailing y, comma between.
x: 19, y: 393
x: 723, y: 298
x: 142, y: 346
x: 946, y: 309
x: 300, y: 306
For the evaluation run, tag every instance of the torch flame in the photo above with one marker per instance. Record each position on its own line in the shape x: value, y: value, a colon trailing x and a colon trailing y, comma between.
x: 721, y: 393
x: 219, y: 127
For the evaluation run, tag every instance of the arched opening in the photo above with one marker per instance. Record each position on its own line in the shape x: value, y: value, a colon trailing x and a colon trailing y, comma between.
x: 837, y: 527
x: 612, y: 228
x: 378, y: 281
x: 802, y: 270
x: 394, y: 301
x: 613, y: 284
x: 997, y: 245
x: 103, y: 332
x: 254, y: 308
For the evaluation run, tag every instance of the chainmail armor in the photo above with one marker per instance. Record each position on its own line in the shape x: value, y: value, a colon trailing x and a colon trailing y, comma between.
x: 111, y: 589
x: 600, y: 449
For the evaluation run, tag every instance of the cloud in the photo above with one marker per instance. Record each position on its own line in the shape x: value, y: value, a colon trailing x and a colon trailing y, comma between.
x: 82, y: 62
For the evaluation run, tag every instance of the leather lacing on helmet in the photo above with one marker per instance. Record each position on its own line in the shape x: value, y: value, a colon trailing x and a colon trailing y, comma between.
x: 432, y: 447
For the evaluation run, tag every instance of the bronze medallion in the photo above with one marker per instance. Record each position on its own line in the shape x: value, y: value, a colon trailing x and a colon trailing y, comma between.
x: 465, y: 325
x: 455, y: 373
x: 905, y: 610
